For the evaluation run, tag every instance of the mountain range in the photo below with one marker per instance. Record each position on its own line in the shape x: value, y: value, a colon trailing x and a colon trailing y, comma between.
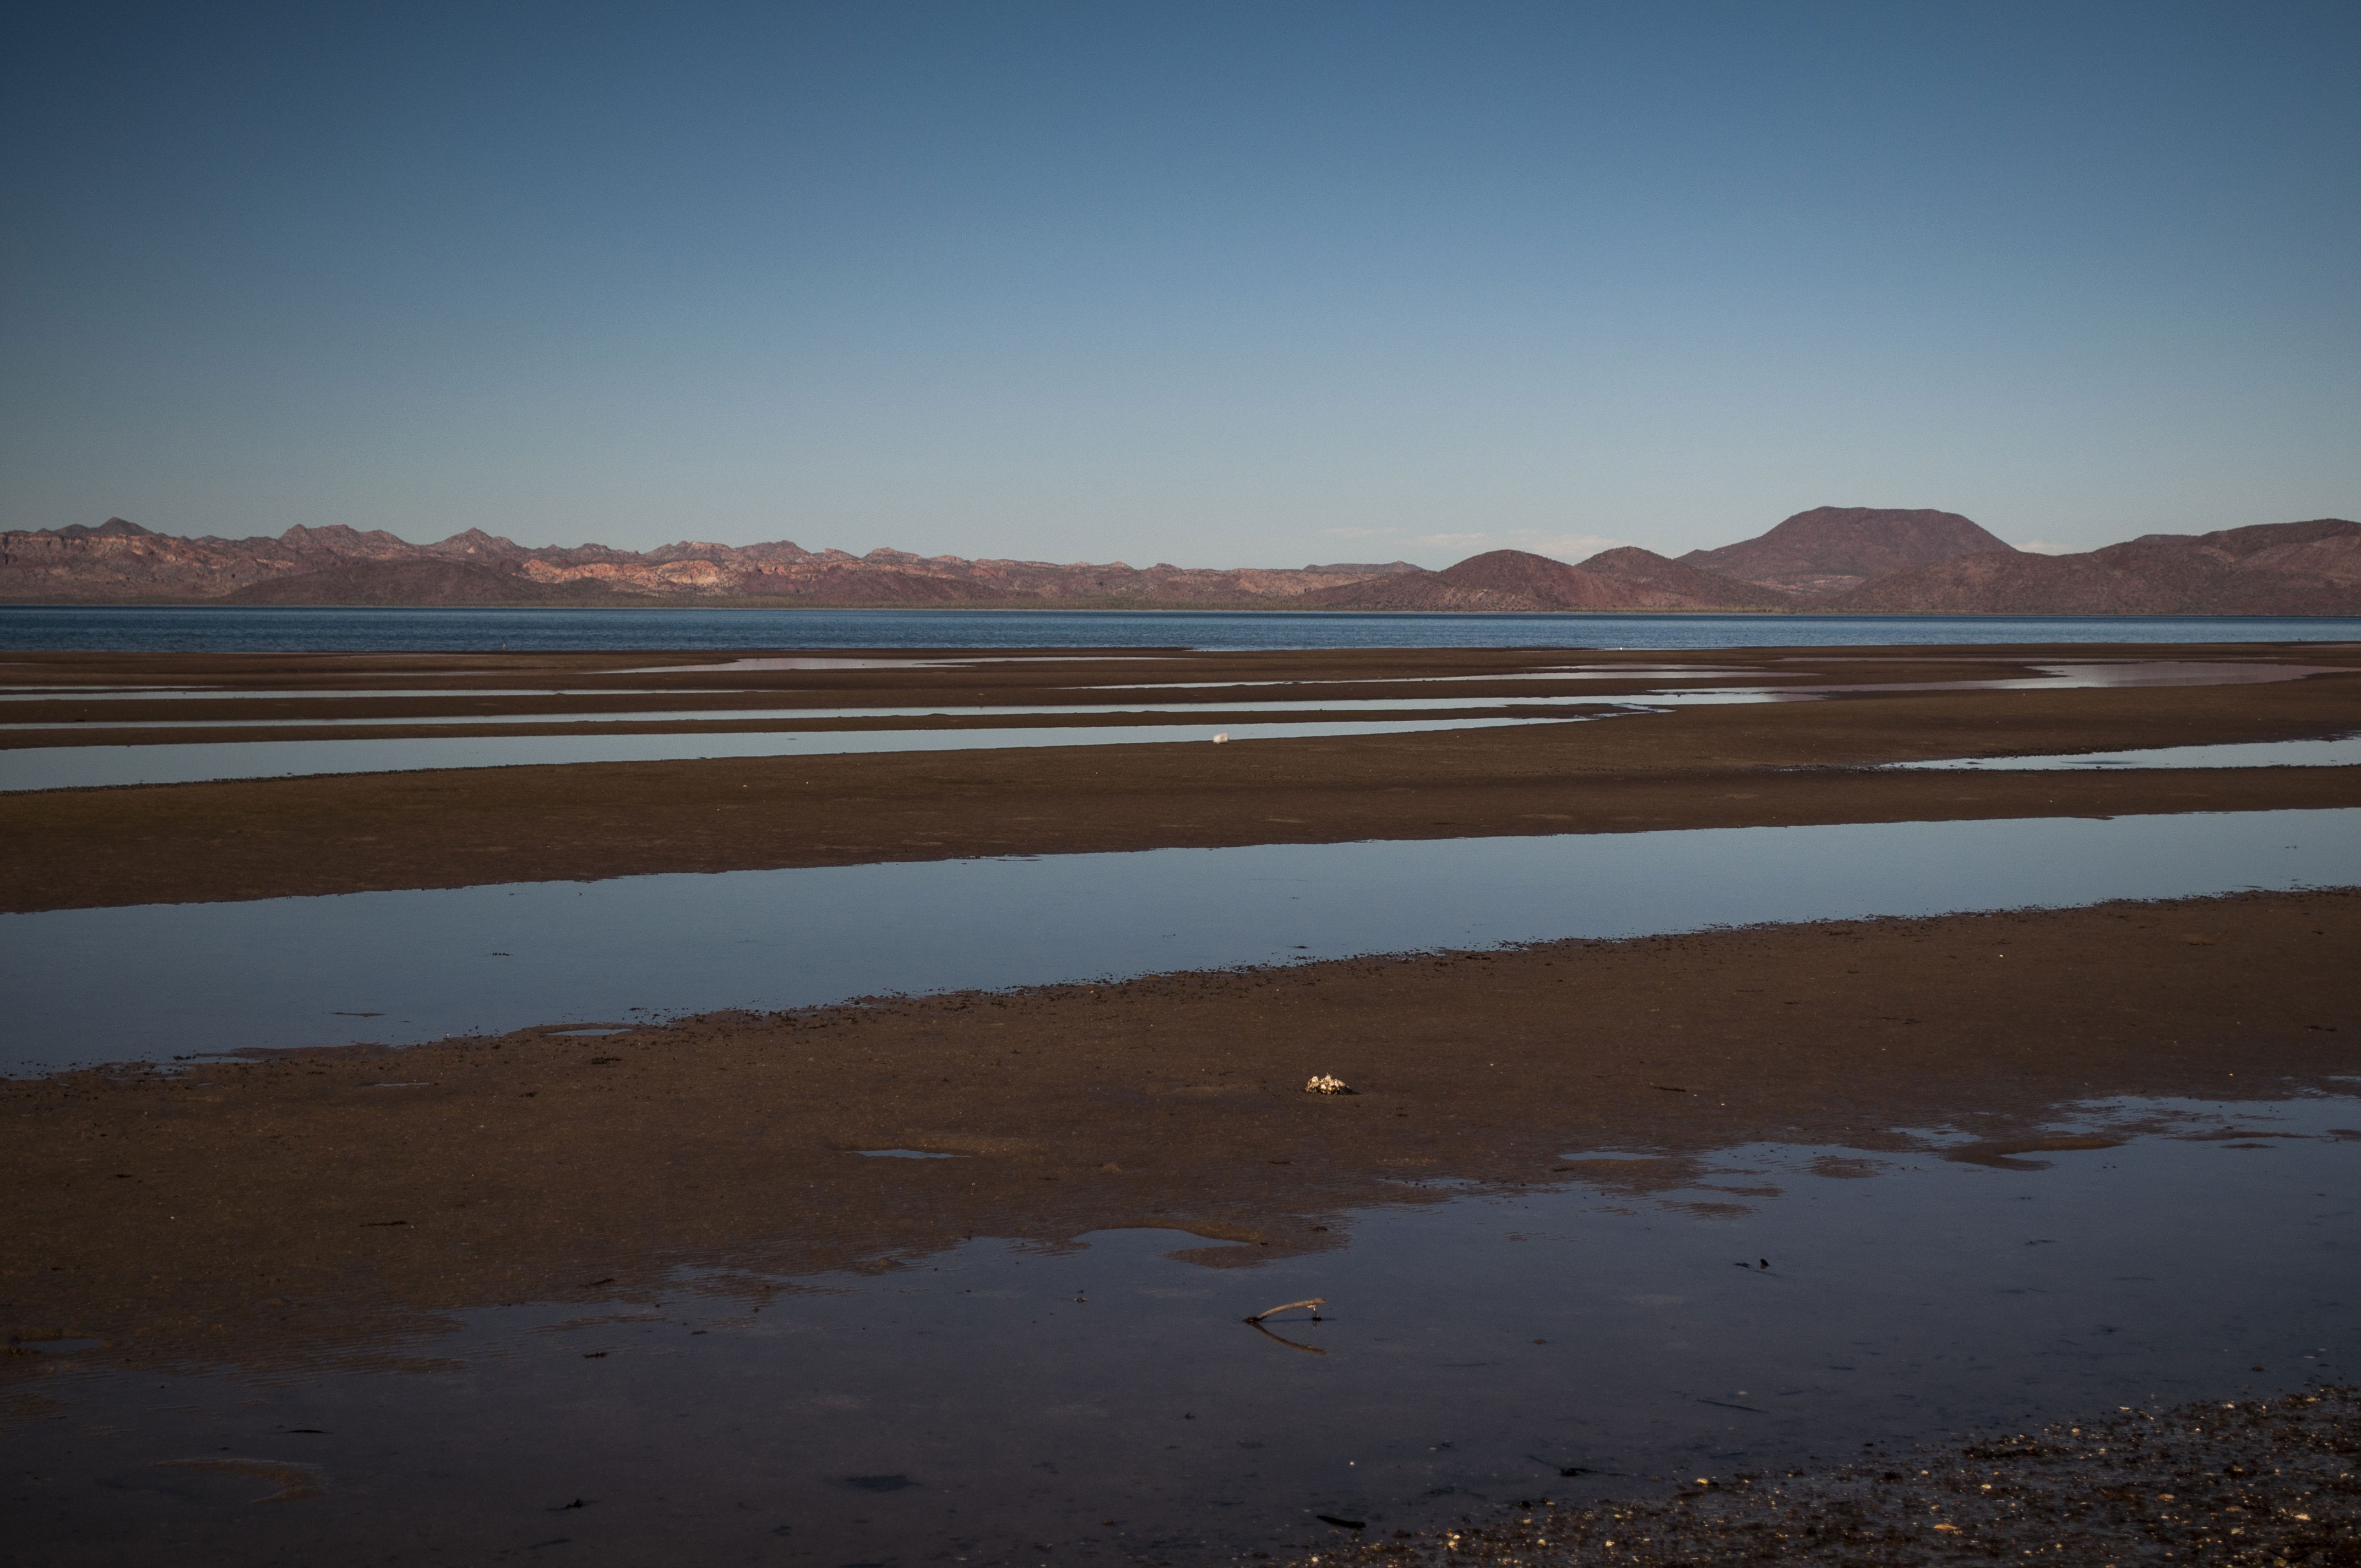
x: 1842, y: 559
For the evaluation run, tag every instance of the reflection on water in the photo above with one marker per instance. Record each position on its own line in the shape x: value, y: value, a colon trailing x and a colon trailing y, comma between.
x: 2342, y: 753
x: 399, y: 968
x: 802, y: 662
x: 809, y: 711
x: 2121, y: 674
x: 318, y: 692
x: 89, y: 767
x: 2079, y: 674
x: 1105, y: 1403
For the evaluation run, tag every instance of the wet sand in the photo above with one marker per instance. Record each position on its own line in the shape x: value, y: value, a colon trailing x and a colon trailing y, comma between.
x: 1692, y: 767
x: 325, y: 1205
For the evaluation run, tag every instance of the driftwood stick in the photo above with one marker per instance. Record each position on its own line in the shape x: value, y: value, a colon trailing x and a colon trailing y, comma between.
x: 1315, y: 1302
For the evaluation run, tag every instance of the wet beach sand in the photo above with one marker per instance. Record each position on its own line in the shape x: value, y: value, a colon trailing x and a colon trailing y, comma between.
x: 487, y: 1169
x: 306, y: 1210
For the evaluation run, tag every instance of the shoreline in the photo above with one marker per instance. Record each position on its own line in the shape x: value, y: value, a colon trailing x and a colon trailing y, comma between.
x: 1187, y: 607
x: 2262, y: 1481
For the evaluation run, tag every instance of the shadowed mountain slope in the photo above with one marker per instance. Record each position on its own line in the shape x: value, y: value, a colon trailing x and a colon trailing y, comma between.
x: 1537, y: 581
x: 2289, y: 568
x: 1831, y: 549
x: 411, y: 582
x: 1518, y: 580
x: 1677, y: 585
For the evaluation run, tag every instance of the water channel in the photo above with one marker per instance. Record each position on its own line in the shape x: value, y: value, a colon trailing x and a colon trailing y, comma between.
x: 403, y: 967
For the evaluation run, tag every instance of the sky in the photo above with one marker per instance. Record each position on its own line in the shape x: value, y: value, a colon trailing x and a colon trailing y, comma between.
x: 1210, y: 283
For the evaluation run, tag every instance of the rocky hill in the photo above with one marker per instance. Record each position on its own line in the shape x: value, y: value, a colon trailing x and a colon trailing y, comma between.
x: 1626, y: 578
x: 411, y: 582
x: 2289, y: 568
x: 1666, y: 584
x: 1829, y: 550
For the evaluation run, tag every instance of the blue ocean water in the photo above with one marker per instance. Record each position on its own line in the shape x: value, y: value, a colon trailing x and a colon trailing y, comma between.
x: 233, y: 630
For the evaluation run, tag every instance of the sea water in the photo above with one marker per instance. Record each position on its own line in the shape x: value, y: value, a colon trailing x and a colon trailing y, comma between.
x: 226, y: 629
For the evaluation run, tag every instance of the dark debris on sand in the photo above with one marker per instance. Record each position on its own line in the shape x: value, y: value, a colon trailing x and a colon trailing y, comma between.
x: 2261, y: 1481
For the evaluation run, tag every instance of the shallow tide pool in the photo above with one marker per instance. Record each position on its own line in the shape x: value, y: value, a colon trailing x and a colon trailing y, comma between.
x: 158, y: 981
x: 2344, y: 751
x: 92, y: 767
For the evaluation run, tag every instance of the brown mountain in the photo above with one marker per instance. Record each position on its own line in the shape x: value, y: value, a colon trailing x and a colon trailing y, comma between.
x: 411, y: 582
x: 1519, y: 580
x: 2289, y: 568
x: 120, y: 561
x: 1677, y: 585
x: 1495, y: 580
x: 1831, y: 549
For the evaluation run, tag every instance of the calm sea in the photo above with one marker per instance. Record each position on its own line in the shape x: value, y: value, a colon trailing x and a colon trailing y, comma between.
x: 203, y: 630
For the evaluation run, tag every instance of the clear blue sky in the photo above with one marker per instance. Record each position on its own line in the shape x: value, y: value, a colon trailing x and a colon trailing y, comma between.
x: 1210, y: 283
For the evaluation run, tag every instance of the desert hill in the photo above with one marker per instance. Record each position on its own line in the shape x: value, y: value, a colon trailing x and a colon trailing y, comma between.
x: 2289, y: 568
x: 1831, y: 549
x: 1667, y: 584
x: 1495, y: 580
x: 1627, y: 578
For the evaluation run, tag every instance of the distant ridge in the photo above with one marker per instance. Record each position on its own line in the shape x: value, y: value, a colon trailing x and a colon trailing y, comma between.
x: 337, y: 565
x: 1627, y: 578
x: 2287, y: 568
x: 1675, y: 585
x: 1537, y: 582
x: 1846, y: 559
x: 1828, y: 550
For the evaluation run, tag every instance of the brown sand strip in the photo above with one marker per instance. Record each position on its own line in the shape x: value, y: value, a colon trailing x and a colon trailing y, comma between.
x: 1705, y: 767
x: 325, y: 1203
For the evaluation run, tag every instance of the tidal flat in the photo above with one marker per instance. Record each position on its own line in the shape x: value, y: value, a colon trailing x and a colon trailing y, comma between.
x: 1642, y: 750
x: 1612, y: 1229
